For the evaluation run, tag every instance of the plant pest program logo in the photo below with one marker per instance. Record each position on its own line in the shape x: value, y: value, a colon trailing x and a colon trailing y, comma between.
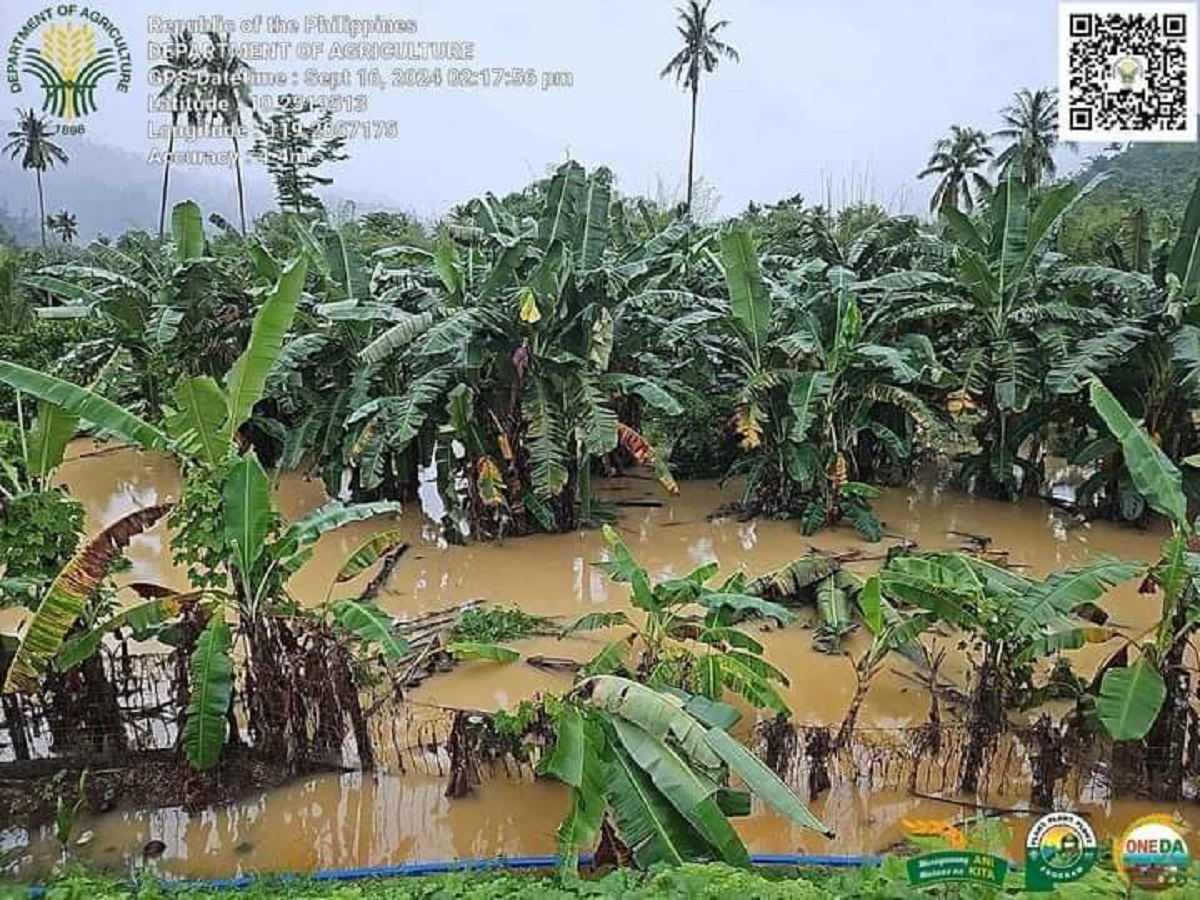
x: 1060, y: 847
x: 1152, y: 854
x: 71, y: 54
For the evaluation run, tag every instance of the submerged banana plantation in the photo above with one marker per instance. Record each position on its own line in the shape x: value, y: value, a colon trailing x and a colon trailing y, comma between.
x: 507, y: 373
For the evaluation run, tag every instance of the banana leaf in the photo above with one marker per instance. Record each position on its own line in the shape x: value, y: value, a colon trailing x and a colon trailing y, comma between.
x: 762, y: 782
x: 48, y: 438
x: 187, y: 230
x: 247, y: 379
x: 195, y: 423
x: 1154, y: 475
x: 371, y: 552
x: 205, y: 728
x: 1130, y: 700
x: 371, y: 625
x: 248, y: 511
x: 67, y: 597
x: 654, y: 830
x: 750, y: 303
x: 88, y: 406
x: 691, y: 794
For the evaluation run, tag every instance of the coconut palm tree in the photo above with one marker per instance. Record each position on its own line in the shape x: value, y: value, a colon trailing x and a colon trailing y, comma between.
x: 65, y: 225
x: 181, y: 91
x: 31, y: 141
x: 1031, y: 124
x: 231, y: 90
x: 957, y: 159
x: 701, y: 52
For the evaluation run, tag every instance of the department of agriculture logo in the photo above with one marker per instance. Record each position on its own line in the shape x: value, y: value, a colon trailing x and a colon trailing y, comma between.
x: 1152, y: 854
x: 71, y: 54
x: 1061, y: 847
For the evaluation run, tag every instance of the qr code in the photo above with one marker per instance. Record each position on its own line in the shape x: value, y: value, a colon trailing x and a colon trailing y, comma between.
x: 1127, y: 71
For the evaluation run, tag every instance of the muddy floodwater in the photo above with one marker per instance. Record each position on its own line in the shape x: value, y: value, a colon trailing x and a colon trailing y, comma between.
x: 358, y: 819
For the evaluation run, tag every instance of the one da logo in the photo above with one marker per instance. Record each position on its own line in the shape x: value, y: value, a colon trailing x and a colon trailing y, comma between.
x: 71, y: 53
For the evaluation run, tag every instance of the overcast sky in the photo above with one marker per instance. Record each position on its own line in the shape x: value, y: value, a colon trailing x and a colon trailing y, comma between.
x: 852, y: 92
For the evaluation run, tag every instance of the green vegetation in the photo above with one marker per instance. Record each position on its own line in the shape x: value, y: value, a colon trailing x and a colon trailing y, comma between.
x: 522, y: 349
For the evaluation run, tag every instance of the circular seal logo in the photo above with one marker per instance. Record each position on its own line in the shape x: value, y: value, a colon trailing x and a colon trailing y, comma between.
x: 1152, y: 854
x: 1061, y: 847
x: 70, y: 53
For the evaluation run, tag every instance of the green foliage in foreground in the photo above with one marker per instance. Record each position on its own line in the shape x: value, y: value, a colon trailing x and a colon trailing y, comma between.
x: 688, y: 881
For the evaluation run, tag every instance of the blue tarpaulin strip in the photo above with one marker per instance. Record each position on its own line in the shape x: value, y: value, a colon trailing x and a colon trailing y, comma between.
x: 442, y: 867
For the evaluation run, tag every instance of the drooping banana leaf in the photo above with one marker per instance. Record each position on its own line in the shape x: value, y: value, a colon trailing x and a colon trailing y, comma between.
x: 88, y: 406
x: 580, y: 828
x: 331, y: 517
x: 205, y: 728
x: 647, y: 823
x: 745, y: 604
x: 1063, y: 592
x: 762, y: 782
x: 595, y: 621
x: 463, y: 650
x: 140, y: 617
x: 370, y: 553
x: 657, y: 713
x: 247, y: 379
x: 371, y: 625
x: 68, y: 595
x: 1154, y: 475
x: 566, y: 760
x: 691, y: 794
x: 792, y: 579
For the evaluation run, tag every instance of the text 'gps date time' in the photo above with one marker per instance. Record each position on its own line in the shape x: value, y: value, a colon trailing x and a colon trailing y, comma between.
x: 329, y: 64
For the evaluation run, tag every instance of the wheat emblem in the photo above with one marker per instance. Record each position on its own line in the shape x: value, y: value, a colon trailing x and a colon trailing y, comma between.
x: 69, y: 67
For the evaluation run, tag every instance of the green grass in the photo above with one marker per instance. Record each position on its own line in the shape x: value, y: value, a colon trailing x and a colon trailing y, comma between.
x: 707, y: 882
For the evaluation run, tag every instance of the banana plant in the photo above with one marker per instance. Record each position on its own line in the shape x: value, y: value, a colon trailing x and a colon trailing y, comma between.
x: 656, y: 765
x: 1148, y: 353
x: 822, y: 397
x: 237, y: 549
x: 1144, y: 691
x: 659, y: 649
x: 510, y: 362
x: 179, y: 307
x: 1005, y: 275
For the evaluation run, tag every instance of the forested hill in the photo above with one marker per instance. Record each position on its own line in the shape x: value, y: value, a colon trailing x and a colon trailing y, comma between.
x: 1157, y: 176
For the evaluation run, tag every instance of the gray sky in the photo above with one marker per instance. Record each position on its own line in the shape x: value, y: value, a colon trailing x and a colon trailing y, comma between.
x: 854, y: 91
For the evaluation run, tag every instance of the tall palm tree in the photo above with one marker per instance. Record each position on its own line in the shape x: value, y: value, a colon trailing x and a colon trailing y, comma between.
x: 31, y: 140
x: 180, y: 88
x: 65, y: 225
x: 957, y: 158
x: 230, y: 87
x: 1031, y: 124
x: 702, y: 51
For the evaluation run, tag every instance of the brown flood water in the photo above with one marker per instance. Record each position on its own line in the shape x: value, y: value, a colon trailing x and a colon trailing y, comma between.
x: 367, y: 819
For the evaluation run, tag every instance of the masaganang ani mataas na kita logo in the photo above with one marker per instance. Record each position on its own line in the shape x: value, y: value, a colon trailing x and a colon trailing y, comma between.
x: 70, y: 52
